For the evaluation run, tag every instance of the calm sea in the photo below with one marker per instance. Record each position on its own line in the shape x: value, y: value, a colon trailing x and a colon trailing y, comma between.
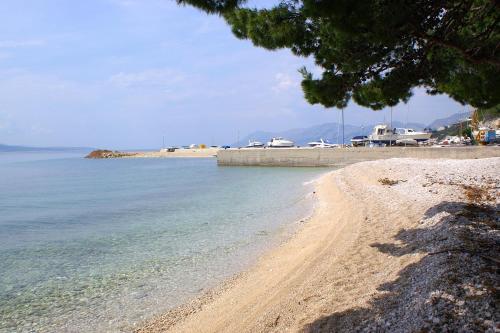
x: 101, y: 245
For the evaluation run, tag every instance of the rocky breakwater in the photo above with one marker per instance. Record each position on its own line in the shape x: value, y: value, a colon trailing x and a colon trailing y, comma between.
x: 102, y: 153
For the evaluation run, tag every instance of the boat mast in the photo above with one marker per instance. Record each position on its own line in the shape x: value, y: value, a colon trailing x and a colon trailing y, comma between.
x: 342, y: 127
x: 407, y: 112
x: 390, y: 140
x: 338, y: 129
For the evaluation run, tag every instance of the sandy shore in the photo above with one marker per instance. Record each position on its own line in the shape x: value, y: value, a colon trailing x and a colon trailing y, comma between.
x: 379, y: 247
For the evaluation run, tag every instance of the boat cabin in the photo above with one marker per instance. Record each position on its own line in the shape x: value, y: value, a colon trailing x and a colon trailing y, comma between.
x: 404, y: 130
x: 382, y: 130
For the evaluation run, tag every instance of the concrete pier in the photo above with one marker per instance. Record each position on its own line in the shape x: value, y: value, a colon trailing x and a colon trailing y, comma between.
x: 323, y: 157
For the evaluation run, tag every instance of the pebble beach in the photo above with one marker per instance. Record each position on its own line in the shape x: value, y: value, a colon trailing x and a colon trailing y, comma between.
x: 393, y: 245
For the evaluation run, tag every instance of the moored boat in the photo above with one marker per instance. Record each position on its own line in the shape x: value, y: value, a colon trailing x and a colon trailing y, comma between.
x: 386, y: 135
x: 254, y: 144
x: 279, y: 142
x: 321, y: 144
x: 410, y: 133
x: 359, y: 140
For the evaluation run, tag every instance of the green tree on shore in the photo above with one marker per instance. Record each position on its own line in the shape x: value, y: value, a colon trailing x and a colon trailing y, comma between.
x: 376, y: 51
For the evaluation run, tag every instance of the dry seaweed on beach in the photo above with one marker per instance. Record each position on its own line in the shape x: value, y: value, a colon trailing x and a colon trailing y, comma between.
x: 477, y: 194
x: 389, y: 182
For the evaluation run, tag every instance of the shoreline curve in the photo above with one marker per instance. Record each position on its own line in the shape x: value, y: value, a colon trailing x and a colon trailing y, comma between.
x: 329, y: 275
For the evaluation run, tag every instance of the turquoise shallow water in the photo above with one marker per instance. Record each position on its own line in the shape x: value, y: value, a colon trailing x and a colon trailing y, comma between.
x: 105, y: 244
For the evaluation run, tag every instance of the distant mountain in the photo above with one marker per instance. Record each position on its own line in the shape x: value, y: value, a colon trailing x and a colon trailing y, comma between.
x: 453, y: 119
x: 8, y: 148
x: 328, y: 131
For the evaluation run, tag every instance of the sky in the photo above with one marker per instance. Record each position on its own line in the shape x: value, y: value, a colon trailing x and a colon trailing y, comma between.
x: 125, y: 73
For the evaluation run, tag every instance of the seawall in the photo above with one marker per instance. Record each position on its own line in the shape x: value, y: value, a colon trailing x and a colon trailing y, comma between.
x: 318, y: 157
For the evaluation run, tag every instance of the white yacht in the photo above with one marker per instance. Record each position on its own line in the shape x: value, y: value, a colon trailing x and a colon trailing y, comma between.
x: 254, y: 144
x: 382, y: 134
x: 410, y: 133
x: 279, y: 142
x: 385, y: 134
x: 322, y: 144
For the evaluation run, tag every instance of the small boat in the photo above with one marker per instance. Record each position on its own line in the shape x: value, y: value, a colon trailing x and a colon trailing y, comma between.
x: 360, y: 140
x: 279, y: 142
x: 410, y: 133
x: 322, y: 144
x: 382, y: 134
x: 254, y: 144
x: 168, y: 149
x: 406, y: 142
x: 376, y: 144
x: 386, y: 135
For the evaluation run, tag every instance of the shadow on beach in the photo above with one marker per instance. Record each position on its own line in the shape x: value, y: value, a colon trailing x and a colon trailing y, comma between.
x: 453, y: 288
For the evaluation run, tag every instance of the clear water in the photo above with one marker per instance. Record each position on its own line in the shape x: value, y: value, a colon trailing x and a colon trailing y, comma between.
x: 101, y: 245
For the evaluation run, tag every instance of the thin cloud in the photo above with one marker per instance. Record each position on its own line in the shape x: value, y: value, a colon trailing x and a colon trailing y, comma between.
x: 12, y: 44
x: 284, y: 82
x: 161, y: 78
